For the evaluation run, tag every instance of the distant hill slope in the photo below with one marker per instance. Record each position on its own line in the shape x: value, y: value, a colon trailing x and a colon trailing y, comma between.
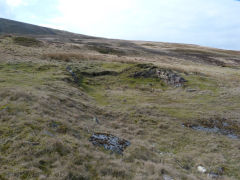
x: 20, y: 28
x: 185, y: 52
x: 15, y: 27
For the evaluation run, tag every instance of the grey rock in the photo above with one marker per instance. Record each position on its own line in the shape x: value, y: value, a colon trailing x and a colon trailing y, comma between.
x: 167, y: 177
x: 74, y: 75
x: 95, y: 119
x: 167, y: 75
x: 217, y: 174
x: 201, y: 169
x: 213, y: 175
x: 109, y: 142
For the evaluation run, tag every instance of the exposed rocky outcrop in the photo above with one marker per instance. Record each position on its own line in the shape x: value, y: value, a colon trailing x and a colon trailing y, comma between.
x: 109, y: 142
x: 139, y: 71
x: 167, y: 75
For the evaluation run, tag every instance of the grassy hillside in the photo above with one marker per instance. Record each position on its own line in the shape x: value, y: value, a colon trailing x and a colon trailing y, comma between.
x: 56, y: 95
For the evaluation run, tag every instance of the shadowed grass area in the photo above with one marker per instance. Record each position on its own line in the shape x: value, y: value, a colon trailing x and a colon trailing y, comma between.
x: 106, y: 50
x: 27, y: 41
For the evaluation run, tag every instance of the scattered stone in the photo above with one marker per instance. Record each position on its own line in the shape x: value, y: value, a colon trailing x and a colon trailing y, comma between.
x: 213, y: 175
x: 109, y: 142
x: 216, y: 125
x: 215, y: 130
x: 166, y: 177
x: 201, y: 169
x: 167, y: 75
x: 95, y: 119
x: 74, y: 75
x: 217, y: 174
x: 166, y: 154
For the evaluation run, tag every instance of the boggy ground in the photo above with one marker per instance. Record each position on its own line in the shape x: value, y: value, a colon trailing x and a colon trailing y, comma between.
x: 47, y: 117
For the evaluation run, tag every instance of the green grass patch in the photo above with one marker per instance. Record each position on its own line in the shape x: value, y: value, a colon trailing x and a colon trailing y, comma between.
x: 179, y: 112
x: 201, y: 83
x: 27, y: 74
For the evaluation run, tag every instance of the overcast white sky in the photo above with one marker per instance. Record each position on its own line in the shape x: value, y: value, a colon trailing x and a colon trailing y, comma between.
x: 214, y: 23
